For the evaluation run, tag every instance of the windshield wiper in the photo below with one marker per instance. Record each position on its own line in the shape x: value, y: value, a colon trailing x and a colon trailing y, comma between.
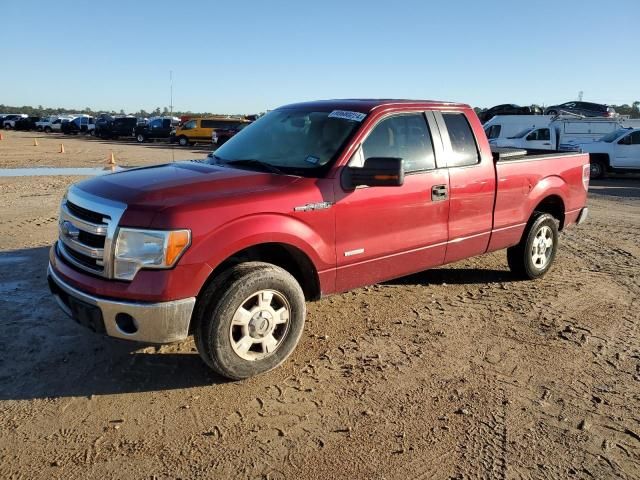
x: 250, y: 162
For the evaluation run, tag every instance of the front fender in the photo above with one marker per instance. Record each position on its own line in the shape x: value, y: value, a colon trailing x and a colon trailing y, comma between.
x: 256, y: 229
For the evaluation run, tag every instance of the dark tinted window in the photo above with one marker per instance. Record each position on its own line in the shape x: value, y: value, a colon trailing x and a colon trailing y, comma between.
x: 540, y: 134
x: 463, y: 143
x: 209, y: 124
x: 635, y: 138
x: 493, y: 131
x: 402, y: 136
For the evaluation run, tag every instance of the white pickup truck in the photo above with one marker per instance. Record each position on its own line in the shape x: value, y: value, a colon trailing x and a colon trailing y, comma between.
x: 618, y: 151
x: 562, y: 135
x: 52, y: 123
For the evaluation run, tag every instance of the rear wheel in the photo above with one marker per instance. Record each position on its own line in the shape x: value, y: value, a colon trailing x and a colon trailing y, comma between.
x: 552, y: 112
x: 533, y: 256
x: 47, y: 129
x: 140, y: 138
x: 249, y: 320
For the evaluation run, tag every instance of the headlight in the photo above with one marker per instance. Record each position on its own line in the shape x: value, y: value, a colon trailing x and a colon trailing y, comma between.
x: 136, y: 249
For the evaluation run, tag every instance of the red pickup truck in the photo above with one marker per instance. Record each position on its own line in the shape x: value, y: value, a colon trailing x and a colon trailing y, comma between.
x: 312, y: 199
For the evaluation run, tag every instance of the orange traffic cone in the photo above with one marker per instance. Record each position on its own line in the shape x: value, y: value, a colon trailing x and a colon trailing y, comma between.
x: 112, y: 159
x: 1, y: 137
x: 61, y: 148
x: 35, y: 142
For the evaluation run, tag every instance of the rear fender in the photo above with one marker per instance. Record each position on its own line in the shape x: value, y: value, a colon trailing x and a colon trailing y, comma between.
x: 545, y: 188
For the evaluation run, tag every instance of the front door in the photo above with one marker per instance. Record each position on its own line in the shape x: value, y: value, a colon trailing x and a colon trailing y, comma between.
x: 539, y: 139
x: 627, y: 151
x: 385, y: 232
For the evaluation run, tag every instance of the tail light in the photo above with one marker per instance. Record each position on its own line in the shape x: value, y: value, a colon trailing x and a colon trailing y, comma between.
x: 586, y: 174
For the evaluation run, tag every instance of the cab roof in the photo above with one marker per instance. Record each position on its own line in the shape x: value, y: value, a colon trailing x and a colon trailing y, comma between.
x: 367, y: 105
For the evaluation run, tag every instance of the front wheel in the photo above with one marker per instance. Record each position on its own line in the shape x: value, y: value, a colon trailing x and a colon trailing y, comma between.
x: 140, y: 138
x: 249, y: 320
x: 597, y: 169
x: 183, y: 141
x: 47, y: 129
x: 533, y: 256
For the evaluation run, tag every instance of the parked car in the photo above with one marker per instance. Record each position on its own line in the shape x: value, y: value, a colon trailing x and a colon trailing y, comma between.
x: 619, y: 152
x: 200, y: 130
x: 586, y: 109
x: 508, y: 109
x: 230, y: 248
x: 26, y: 124
x: 226, y: 130
x: 52, y: 123
x: 159, y: 128
x: 10, y: 120
x: 114, y: 127
x: 562, y: 134
x: 81, y: 124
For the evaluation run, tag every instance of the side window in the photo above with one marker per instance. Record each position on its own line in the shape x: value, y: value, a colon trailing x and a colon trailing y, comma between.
x: 156, y: 123
x: 402, y: 136
x: 463, y: 143
x: 635, y: 138
x: 166, y: 123
x: 494, y: 131
x: 208, y: 124
x: 191, y: 124
x: 540, y: 134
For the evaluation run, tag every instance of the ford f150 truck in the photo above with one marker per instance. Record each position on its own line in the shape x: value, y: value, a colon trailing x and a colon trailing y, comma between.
x: 312, y: 199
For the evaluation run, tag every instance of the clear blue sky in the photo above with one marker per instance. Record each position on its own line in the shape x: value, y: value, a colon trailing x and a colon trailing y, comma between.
x: 248, y: 56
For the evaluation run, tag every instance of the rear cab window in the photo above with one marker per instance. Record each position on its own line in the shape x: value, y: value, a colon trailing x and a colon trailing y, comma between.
x: 464, y: 149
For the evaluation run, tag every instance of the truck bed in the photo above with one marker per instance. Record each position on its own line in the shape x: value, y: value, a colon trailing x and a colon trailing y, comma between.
x: 505, y: 154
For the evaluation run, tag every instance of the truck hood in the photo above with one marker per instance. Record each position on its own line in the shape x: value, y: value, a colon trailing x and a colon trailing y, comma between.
x: 163, y: 186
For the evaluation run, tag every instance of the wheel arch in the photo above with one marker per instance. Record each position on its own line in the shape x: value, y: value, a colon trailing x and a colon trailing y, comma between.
x: 553, y: 205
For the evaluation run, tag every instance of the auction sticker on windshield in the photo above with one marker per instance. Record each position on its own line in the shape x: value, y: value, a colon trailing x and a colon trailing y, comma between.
x: 347, y: 115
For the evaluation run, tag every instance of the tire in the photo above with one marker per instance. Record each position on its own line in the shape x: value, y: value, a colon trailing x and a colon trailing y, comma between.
x: 92, y: 133
x: 183, y: 141
x: 597, y: 169
x: 552, y: 112
x: 47, y: 129
x: 274, y: 311
x: 140, y: 138
x: 532, y: 259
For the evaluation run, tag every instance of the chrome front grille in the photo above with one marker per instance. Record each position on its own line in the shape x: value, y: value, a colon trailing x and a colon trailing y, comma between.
x: 87, y: 228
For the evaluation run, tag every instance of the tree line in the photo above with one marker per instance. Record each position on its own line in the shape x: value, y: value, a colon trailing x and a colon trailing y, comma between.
x: 41, y: 111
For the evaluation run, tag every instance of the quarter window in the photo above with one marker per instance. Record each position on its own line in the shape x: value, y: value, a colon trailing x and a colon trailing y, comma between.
x: 402, y: 136
x: 463, y: 143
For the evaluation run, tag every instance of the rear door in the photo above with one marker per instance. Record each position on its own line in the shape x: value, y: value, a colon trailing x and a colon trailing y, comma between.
x: 627, y: 151
x: 471, y: 187
x: 386, y: 232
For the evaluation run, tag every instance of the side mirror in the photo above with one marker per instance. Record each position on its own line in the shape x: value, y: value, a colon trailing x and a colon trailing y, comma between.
x: 376, y: 172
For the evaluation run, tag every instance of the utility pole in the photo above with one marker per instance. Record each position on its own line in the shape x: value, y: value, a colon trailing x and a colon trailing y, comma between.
x: 171, y: 92
x: 580, y: 94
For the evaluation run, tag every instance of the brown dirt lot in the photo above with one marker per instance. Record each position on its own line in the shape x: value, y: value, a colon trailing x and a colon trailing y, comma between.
x: 459, y: 372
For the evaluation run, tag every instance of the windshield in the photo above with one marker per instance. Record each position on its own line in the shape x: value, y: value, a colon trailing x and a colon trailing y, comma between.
x: 610, y: 137
x: 294, y: 141
x: 522, y: 133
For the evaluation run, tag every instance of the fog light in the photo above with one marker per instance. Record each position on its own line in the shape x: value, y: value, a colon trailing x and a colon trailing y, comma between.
x: 126, y: 323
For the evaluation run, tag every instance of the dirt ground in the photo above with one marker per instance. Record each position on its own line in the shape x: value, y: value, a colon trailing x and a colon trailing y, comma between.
x: 458, y: 372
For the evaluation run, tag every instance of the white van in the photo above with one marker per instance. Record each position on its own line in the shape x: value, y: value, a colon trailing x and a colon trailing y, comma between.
x: 501, y: 127
x: 562, y: 134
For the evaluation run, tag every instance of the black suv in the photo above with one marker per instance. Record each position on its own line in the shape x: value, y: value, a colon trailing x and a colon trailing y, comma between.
x: 114, y: 127
x: 27, y: 124
x: 586, y: 109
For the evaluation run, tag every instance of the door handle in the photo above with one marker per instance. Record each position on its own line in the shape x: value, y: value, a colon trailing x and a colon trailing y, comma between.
x: 439, y: 193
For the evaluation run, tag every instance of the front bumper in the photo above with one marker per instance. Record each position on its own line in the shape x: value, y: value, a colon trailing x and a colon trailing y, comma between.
x: 162, y: 322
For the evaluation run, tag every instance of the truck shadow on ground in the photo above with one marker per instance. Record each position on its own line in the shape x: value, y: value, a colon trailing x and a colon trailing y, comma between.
x: 45, y: 354
x: 616, y: 187
x: 455, y: 276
